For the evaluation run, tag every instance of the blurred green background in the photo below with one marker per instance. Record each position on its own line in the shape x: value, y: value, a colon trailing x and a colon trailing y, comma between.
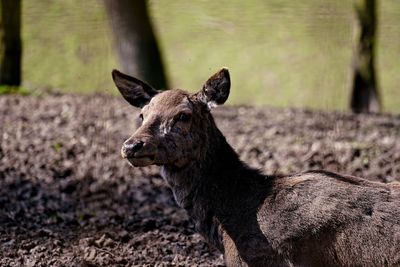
x: 280, y: 52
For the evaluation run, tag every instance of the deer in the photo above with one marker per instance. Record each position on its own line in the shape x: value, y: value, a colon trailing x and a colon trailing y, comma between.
x: 314, y: 218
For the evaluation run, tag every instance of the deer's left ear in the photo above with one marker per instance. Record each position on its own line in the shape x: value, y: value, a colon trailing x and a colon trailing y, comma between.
x: 135, y: 91
x: 216, y: 89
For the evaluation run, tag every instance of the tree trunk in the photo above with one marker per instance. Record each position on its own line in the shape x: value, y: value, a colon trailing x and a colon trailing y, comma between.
x: 135, y: 41
x: 365, y: 97
x: 10, y: 42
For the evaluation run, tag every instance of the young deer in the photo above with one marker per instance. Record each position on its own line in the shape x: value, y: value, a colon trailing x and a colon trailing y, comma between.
x: 315, y: 218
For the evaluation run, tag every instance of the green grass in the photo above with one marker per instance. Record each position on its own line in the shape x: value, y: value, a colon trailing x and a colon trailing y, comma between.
x: 6, y: 89
x: 279, y: 52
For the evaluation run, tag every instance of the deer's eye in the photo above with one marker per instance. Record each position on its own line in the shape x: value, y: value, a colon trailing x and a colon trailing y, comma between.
x: 141, y: 117
x: 184, y: 117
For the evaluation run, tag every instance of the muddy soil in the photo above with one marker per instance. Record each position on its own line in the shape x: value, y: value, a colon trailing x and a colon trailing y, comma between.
x: 68, y: 199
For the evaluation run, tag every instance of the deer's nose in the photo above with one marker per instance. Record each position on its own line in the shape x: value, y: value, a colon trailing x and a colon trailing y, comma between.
x: 130, y: 148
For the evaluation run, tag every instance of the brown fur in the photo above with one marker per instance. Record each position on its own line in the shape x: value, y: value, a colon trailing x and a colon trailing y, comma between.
x: 316, y: 218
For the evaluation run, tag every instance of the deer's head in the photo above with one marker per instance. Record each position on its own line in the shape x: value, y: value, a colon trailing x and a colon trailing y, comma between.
x: 175, y: 124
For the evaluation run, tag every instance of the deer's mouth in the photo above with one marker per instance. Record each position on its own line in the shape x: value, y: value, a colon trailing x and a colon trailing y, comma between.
x: 141, y: 160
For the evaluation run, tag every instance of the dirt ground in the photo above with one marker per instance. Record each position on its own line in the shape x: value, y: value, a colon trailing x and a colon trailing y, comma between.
x: 68, y: 199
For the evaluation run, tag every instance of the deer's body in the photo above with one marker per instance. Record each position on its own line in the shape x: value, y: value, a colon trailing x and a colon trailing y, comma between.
x: 312, y: 219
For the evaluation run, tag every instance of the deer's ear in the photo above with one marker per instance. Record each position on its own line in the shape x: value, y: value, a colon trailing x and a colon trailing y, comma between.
x: 216, y: 89
x: 135, y: 91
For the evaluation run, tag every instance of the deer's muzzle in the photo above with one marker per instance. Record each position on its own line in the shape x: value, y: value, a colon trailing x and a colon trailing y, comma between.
x: 138, y: 153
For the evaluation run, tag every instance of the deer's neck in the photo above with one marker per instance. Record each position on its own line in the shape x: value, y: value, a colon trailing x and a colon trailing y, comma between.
x: 216, y: 184
x: 202, y: 175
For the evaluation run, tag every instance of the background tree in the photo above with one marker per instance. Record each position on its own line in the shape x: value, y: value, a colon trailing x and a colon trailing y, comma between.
x: 365, y: 97
x: 10, y: 42
x: 135, y: 41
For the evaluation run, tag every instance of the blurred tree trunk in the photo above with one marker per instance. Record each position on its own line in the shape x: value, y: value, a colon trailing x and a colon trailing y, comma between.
x: 135, y: 41
x: 365, y: 96
x: 10, y: 42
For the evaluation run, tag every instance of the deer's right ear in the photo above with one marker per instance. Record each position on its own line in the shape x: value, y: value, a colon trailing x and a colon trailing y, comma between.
x: 216, y: 89
x: 136, y: 92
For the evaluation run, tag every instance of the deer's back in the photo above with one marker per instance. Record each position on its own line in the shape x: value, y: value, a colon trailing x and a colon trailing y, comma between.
x: 322, y: 219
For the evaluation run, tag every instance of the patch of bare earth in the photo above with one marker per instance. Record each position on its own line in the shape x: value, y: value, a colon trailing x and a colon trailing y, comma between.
x: 68, y: 199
